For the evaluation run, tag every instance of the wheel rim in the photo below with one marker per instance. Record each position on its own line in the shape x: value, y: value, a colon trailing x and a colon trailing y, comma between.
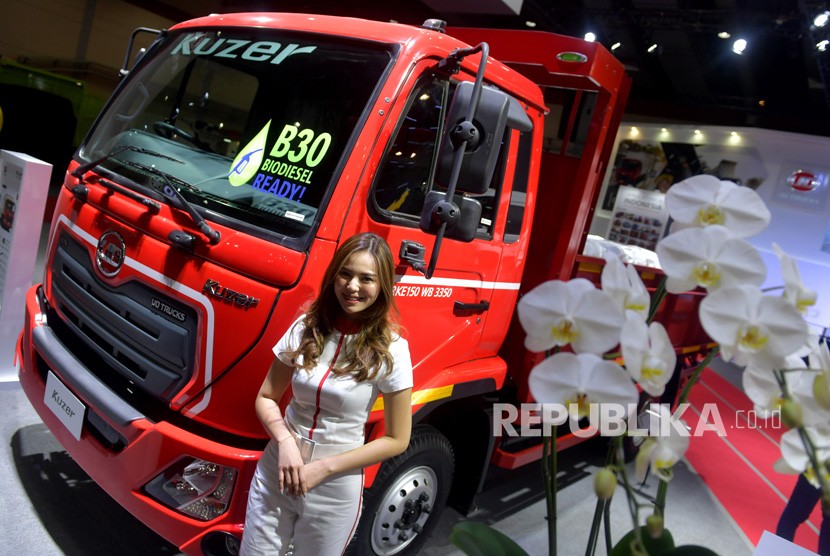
x: 403, y: 511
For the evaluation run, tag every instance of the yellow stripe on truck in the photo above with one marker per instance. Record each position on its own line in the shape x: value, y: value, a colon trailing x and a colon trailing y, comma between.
x: 421, y: 397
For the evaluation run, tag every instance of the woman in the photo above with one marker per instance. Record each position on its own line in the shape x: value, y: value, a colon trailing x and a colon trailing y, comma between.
x: 308, y: 485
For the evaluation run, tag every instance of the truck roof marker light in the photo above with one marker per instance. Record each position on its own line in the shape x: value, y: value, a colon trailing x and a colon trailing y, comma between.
x: 435, y: 25
x: 572, y: 57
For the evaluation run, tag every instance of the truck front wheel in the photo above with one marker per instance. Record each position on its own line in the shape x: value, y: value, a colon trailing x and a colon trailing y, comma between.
x: 407, y: 497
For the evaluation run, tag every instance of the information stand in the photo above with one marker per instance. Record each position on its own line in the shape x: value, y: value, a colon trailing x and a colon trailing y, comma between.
x: 24, y: 186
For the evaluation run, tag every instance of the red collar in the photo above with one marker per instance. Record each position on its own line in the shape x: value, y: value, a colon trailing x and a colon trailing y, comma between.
x: 347, y: 326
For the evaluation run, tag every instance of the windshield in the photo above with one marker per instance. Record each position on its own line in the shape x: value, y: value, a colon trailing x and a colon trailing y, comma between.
x: 252, y: 124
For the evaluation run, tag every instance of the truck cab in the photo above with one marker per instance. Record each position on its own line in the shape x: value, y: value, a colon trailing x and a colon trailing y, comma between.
x: 198, y: 215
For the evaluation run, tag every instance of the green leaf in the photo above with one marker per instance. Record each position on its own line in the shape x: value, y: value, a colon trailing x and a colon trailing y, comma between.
x: 659, y: 546
x: 478, y: 539
x: 690, y: 550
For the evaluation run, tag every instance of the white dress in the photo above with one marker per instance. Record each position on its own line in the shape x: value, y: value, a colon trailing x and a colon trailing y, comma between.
x: 330, y: 410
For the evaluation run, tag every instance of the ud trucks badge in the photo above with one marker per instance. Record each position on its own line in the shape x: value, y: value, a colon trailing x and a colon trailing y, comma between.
x: 109, y: 255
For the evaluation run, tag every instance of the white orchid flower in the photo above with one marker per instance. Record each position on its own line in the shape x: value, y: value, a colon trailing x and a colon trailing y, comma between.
x: 623, y: 283
x: 752, y: 328
x: 794, y: 289
x: 705, y: 200
x: 794, y: 458
x: 820, y: 362
x: 577, y: 380
x: 648, y: 354
x: 557, y: 313
x: 660, y: 453
x: 762, y: 387
x: 709, y: 257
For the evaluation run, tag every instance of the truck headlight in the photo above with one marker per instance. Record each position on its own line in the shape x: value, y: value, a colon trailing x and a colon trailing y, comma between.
x: 195, y: 487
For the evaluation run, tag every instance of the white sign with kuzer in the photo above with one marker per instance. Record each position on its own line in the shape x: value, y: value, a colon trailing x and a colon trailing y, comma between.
x: 64, y: 404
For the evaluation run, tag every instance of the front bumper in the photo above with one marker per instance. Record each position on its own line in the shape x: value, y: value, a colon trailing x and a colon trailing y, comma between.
x: 120, y: 448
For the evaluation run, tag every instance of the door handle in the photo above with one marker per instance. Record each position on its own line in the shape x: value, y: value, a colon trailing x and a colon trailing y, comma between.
x: 471, y: 307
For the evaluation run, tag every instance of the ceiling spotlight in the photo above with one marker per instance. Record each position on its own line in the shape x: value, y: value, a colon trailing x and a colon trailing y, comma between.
x: 724, y: 35
x: 739, y: 46
x: 615, y: 46
x: 530, y: 23
x: 822, y: 46
x: 821, y: 19
x: 652, y: 48
x: 590, y: 37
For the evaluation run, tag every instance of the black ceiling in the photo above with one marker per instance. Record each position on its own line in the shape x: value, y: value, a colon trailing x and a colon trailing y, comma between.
x: 693, y: 76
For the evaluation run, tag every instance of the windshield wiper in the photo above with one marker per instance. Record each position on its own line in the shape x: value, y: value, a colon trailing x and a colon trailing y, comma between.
x: 180, y: 238
x: 80, y: 191
x: 86, y: 167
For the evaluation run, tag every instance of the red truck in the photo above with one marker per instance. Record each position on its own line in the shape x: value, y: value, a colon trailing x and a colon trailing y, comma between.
x: 199, y: 213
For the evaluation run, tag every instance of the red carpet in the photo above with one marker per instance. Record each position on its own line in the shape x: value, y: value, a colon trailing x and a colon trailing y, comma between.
x: 738, y: 467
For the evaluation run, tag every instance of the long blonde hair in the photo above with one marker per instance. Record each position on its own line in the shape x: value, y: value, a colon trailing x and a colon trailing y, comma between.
x: 368, y: 353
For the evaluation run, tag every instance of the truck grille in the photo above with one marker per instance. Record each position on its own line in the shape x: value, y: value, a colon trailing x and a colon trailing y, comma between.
x: 127, y: 343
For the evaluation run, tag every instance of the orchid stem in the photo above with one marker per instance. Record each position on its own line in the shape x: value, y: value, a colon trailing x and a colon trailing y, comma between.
x: 631, y: 497
x: 602, y: 507
x: 656, y: 300
x: 549, y: 475
x: 663, y: 487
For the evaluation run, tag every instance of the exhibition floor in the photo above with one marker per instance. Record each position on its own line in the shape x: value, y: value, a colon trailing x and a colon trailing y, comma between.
x: 54, y: 508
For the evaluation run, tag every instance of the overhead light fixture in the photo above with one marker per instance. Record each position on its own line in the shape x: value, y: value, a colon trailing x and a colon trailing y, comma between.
x: 724, y: 35
x: 530, y: 24
x: 822, y: 45
x: 652, y: 48
x: 615, y: 46
x: 821, y: 19
x: 739, y: 46
x: 590, y: 37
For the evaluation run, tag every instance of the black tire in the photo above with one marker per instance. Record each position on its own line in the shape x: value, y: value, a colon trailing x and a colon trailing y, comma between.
x: 405, y: 501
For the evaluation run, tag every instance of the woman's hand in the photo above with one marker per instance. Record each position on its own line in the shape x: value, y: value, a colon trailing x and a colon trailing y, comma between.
x: 315, y: 473
x: 291, y: 470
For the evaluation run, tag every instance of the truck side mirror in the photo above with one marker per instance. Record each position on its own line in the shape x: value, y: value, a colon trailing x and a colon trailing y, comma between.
x: 126, y: 67
x: 495, y: 111
x: 462, y: 215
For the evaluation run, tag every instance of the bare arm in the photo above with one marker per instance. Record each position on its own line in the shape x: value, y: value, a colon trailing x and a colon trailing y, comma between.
x: 291, y: 472
x: 398, y: 420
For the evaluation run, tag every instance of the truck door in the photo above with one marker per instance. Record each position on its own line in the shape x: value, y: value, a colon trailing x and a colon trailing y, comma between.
x: 444, y: 315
